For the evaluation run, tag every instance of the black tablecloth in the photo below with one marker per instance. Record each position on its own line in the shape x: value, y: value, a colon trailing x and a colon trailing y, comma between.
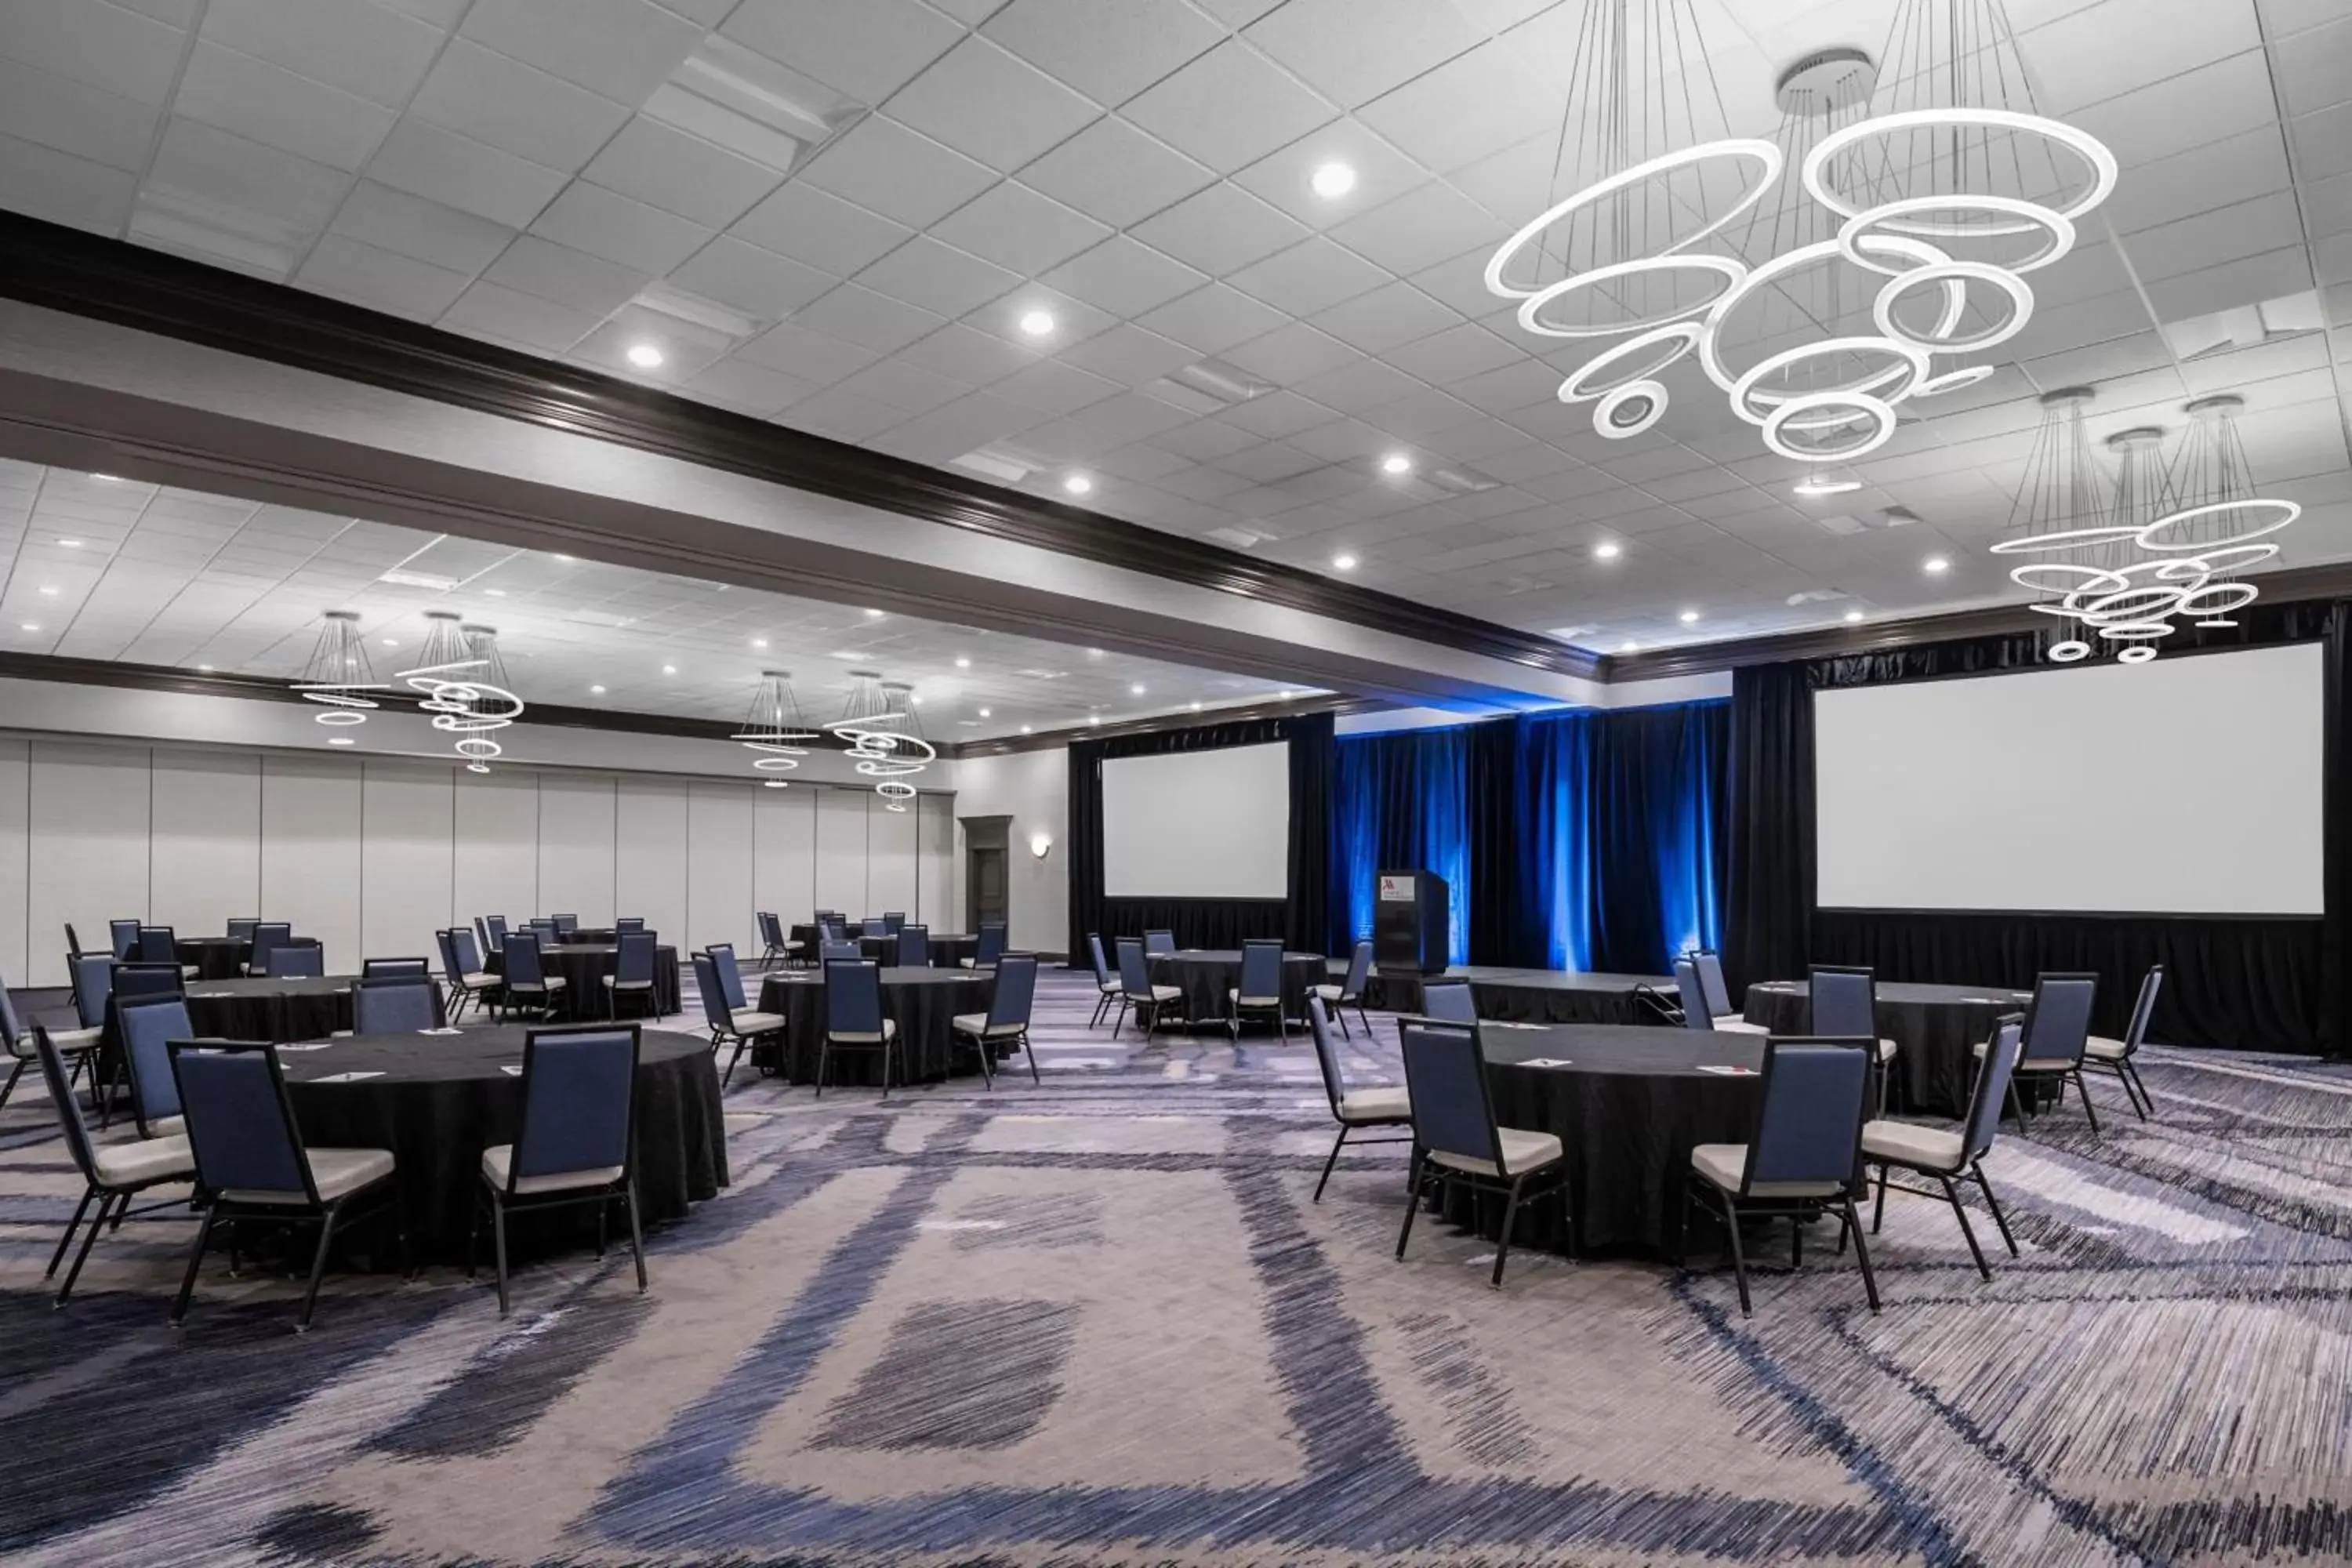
x: 1629, y: 1107
x: 1561, y: 997
x: 924, y: 1002
x: 591, y: 935
x: 1205, y: 975
x: 585, y: 964
x: 442, y: 1099
x: 1935, y: 1029
x: 275, y: 1009
x: 215, y: 957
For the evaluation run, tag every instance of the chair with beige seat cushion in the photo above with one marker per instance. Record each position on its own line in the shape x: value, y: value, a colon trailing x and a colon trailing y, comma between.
x: 1802, y: 1152
x: 1260, y: 989
x: 79, y: 1048
x: 147, y: 1026
x: 1952, y: 1155
x: 1455, y: 1138
x: 574, y: 1140
x: 1354, y: 1110
x: 2057, y: 1039
x: 250, y: 1157
x: 1715, y: 994
x: 1107, y: 989
x: 111, y: 1173
x: 2115, y: 1055
x: 1137, y: 991
x: 853, y: 1020
x: 526, y: 982
x: 1007, y: 1018
x: 745, y: 1028
x: 1349, y: 991
x: 1843, y: 1001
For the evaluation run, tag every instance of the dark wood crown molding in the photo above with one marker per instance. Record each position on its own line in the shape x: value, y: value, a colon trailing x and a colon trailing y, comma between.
x: 113, y: 280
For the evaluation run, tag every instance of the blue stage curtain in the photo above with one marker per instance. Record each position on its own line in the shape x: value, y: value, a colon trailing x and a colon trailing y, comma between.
x: 1587, y: 840
x: 1400, y: 800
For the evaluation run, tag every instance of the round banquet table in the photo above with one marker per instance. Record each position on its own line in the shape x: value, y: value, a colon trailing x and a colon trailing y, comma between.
x: 590, y: 936
x: 950, y: 949
x: 215, y: 957
x: 585, y: 964
x: 923, y: 1001
x: 1628, y: 1107
x: 1936, y: 1031
x: 275, y: 1010
x: 1205, y: 975
x: 437, y: 1101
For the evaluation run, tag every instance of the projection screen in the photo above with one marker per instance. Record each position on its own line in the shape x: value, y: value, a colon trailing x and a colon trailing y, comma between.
x: 1198, y: 824
x: 2190, y: 784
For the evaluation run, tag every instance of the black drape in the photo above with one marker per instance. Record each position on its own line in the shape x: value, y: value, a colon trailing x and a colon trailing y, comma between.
x: 1509, y: 922
x: 2257, y: 983
x: 1298, y: 919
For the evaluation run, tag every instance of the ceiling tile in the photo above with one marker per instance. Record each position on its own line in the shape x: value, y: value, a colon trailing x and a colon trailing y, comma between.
x: 975, y: 358
x: 62, y: 188
x: 1074, y: 318
x: 1380, y: 321
x: 1286, y: 177
x: 73, y: 117
x: 443, y: 166
x: 504, y: 103
x: 814, y: 357
x: 365, y: 49
x: 665, y: 167
x: 621, y: 48
x: 820, y: 230
x: 1128, y: 355
x: 422, y: 230
x: 1456, y: 353
x: 1107, y: 49
x: 268, y: 104
x: 990, y: 105
x: 1228, y: 107
x: 234, y: 181
x: 1124, y: 278
x: 884, y: 166
x: 1420, y: 228
x: 758, y: 282
x: 587, y: 283
x: 97, y: 44
x: 938, y: 277
x: 1476, y: 103
x: 1309, y: 276
x: 1015, y: 227
x: 1291, y: 354
x: 1214, y: 318
x: 1115, y: 173
x: 867, y: 50
x: 904, y: 386
x: 380, y: 279
x: 748, y: 388
x: 1222, y: 228
x: 843, y: 415
x: 861, y: 316
x: 607, y: 224
x: 1352, y: 51
x: 511, y: 316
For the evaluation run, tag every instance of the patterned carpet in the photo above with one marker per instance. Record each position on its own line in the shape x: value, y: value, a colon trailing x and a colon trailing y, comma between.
x: 1099, y: 1322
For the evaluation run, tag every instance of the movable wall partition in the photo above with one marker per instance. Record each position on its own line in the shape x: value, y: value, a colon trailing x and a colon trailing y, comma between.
x: 371, y: 855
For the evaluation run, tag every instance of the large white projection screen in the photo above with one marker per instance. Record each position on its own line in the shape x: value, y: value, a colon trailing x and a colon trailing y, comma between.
x: 2187, y: 785
x: 1198, y: 824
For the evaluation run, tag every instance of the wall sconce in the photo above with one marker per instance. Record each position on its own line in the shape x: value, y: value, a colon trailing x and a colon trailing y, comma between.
x: 1041, y: 845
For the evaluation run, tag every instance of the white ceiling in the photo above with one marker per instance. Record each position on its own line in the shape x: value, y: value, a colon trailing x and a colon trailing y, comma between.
x: 175, y: 577
x: 549, y: 174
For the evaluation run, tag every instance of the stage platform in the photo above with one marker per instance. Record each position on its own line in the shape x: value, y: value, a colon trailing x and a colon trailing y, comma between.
x: 1525, y: 995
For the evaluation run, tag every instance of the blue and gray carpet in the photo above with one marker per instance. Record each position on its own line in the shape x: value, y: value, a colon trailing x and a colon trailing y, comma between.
x: 1099, y: 1322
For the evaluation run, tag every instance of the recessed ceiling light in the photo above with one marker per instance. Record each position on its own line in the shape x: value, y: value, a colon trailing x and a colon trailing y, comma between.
x: 1136, y: 690
x: 669, y: 669
x: 1396, y: 463
x: 645, y: 356
x: 206, y: 668
x: 341, y: 741
x: 1936, y: 566
x: 1688, y: 616
x: 1853, y: 616
x: 1333, y: 180
x: 107, y: 479
x: 565, y: 559
x: 963, y: 662
x: 70, y: 543
x: 49, y: 589
x: 759, y: 642
x: 495, y: 593
x: 873, y: 614
x: 1607, y: 549
x: 1038, y: 323
x: 1821, y: 487
x: 1025, y: 730
x: 1196, y: 707
x: 983, y: 713
x: 1094, y: 718
x: 917, y: 702
x: 1285, y: 694
x: 595, y: 691
x: 1077, y: 484
x: 1343, y: 562
x: 777, y: 783
x: 1628, y: 648
x: 391, y: 642
x: 1094, y: 653
x: 32, y: 625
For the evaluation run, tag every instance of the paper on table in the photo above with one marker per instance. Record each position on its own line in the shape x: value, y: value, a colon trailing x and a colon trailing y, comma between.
x: 346, y: 1076
x: 510, y: 1069
x: 440, y: 1031
x: 312, y: 1045
x: 1546, y: 1062
x: 1726, y: 1071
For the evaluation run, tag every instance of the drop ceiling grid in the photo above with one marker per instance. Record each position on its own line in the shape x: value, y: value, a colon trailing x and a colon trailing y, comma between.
x: 247, y: 598
x: 1141, y: 169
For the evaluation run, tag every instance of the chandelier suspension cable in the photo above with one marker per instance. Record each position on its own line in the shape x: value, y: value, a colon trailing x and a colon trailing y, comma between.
x: 338, y: 675
x: 774, y: 729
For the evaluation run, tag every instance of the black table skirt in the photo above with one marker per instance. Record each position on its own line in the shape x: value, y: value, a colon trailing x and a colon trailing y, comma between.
x: 583, y: 966
x: 594, y: 936
x: 923, y: 1001
x: 275, y: 1010
x: 1205, y: 974
x: 1936, y: 1031
x: 442, y: 1099
x: 1576, y: 999
x: 1629, y: 1108
x: 215, y: 957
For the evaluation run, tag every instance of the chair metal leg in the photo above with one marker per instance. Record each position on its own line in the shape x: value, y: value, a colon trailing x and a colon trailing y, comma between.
x: 1336, y: 1144
x: 2017, y: 1104
x: 6, y: 1088
x: 474, y: 1234
x: 1861, y: 1252
x: 1878, y: 1210
x: 1738, y: 1254
x: 317, y: 1267
x: 1994, y: 1204
x: 1961, y: 1213
x: 2090, y: 1112
x: 824, y: 1059
x: 96, y: 1223
x: 72, y: 1226
x: 1796, y: 1241
x: 1030, y: 1051
x: 1503, y: 1243
x: 196, y: 1262
x: 1411, y: 1198
x: 2147, y: 1099
x: 636, y: 1237
x: 499, y: 1236
x: 1339, y: 1012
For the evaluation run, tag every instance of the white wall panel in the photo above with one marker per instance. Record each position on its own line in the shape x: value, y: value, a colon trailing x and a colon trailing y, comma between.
x: 889, y: 858
x: 88, y: 860
x: 1032, y: 788
x: 935, y: 852
x: 719, y: 866
x: 649, y: 859
x: 496, y: 865
x: 841, y: 852
x: 205, y: 860
x: 310, y: 852
x: 783, y: 853
x: 15, y: 845
x: 407, y: 817
x: 576, y: 849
